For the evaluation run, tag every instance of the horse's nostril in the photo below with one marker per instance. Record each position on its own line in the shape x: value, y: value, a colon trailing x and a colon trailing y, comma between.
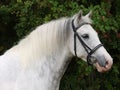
x: 106, y: 62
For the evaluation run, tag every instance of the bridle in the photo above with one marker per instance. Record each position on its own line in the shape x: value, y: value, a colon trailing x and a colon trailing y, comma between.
x: 86, y: 47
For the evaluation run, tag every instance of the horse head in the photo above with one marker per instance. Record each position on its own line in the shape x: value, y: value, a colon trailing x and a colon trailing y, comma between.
x: 86, y: 45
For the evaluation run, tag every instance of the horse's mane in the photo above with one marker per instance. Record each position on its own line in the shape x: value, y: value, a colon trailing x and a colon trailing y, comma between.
x: 45, y: 39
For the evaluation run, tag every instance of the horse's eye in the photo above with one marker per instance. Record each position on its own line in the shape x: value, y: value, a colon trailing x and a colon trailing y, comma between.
x: 85, y: 36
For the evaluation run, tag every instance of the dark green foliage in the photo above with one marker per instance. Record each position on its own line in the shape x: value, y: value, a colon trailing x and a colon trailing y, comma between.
x: 19, y: 17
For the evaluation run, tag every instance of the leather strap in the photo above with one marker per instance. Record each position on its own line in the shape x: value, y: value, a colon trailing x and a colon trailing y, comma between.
x: 86, y: 47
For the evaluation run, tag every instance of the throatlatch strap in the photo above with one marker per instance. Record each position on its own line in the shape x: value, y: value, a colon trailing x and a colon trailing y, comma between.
x: 75, y: 50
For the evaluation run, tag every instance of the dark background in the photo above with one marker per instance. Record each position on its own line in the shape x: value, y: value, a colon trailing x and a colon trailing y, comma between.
x: 19, y: 17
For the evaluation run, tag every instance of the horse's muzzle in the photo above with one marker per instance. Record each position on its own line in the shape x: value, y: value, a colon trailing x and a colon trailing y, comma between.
x: 102, y: 63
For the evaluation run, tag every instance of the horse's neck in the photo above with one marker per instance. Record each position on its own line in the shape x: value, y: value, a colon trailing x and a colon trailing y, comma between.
x: 46, y: 64
x: 55, y: 66
x: 47, y: 72
x: 44, y: 40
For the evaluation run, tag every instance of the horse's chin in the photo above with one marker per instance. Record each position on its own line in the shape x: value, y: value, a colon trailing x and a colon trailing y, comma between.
x: 102, y: 69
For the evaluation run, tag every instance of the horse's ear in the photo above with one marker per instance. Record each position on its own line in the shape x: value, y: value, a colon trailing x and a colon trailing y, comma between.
x: 79, y: 16
x: 89, y: 14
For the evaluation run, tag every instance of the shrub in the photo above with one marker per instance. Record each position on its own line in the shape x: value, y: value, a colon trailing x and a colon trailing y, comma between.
x: 19, y: 17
